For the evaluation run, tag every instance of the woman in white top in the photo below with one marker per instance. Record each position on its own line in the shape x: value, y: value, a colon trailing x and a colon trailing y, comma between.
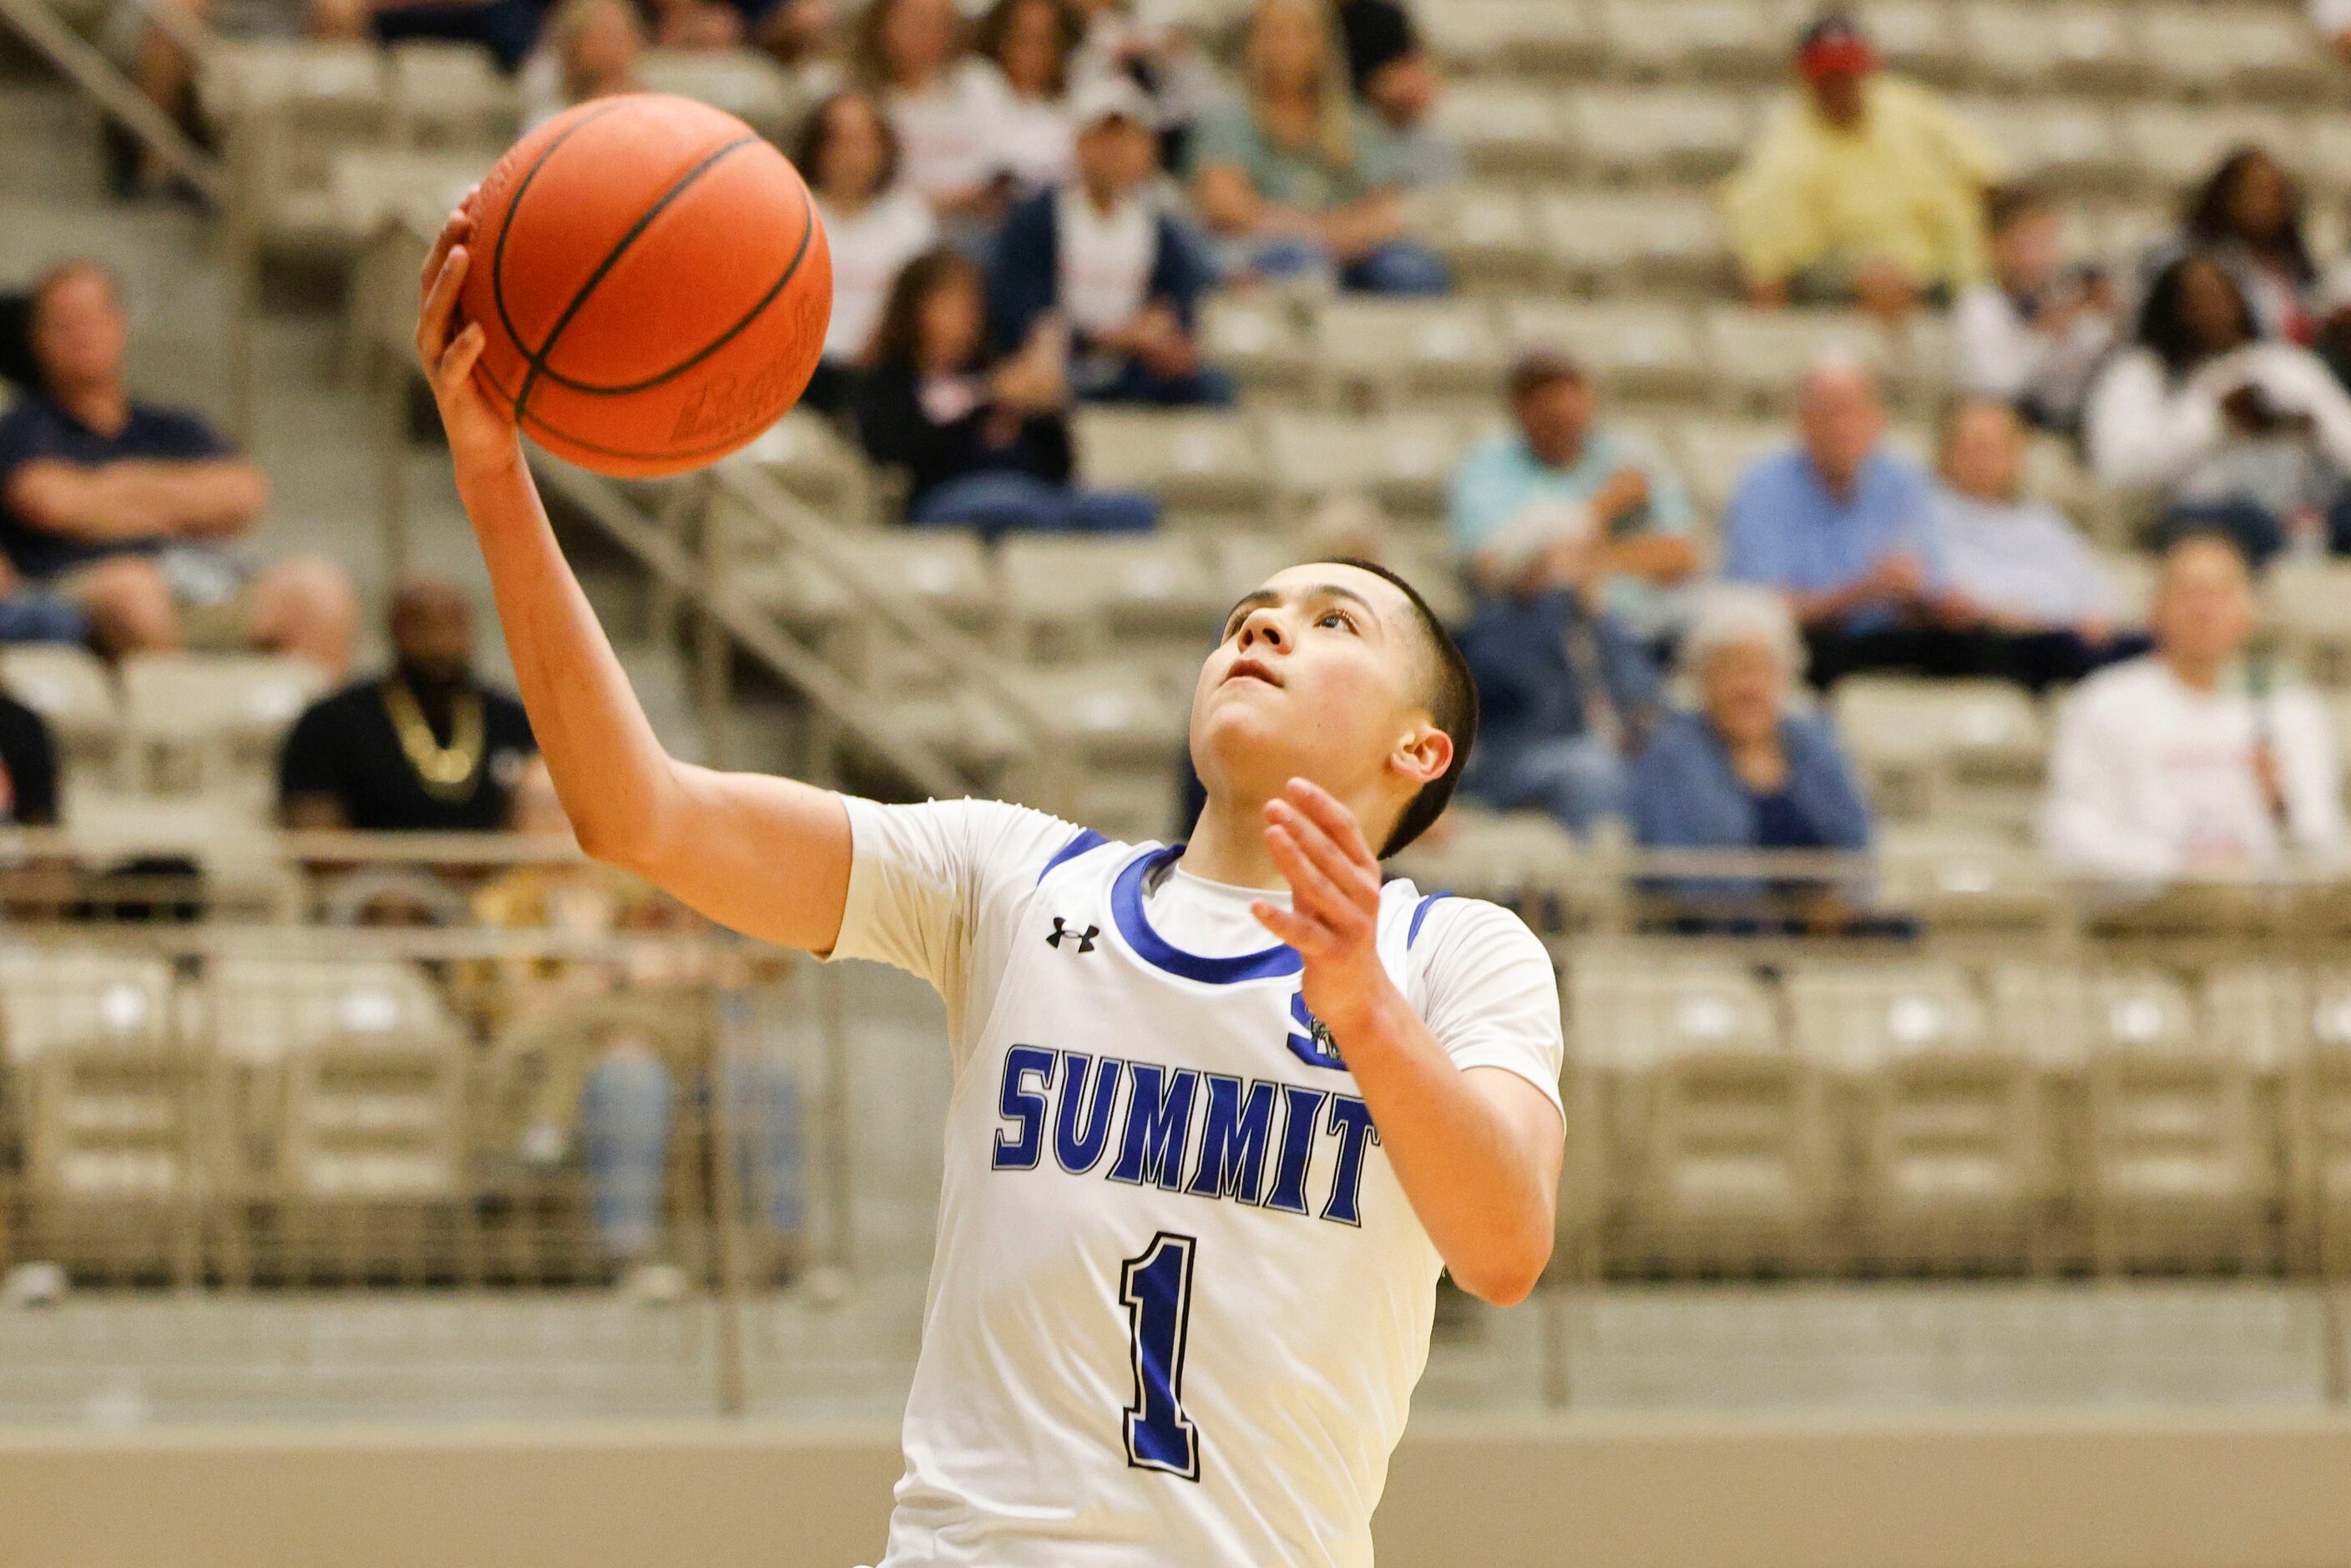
x: 1028, y: 44
x: 2218, y: 428
x: 876, y: 224
x: 950, y: 113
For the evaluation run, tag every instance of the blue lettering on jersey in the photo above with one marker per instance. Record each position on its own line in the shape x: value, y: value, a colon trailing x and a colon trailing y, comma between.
x: 1237, y: 1130
x: 1024, y: 1107
x: 1233, y: 1145
x: 1158, y: 1125
x: 1080, y: 1151
x: 1314, y: 1046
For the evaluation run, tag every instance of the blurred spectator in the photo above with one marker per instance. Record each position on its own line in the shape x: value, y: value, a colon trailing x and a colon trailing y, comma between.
x: 589, y: 49
x: 2044, y: 608
x: 1563, y: 690
x: 1163, y: 58
x: 29, y: 766
x: 1295, y: 179
x: 2333, y: 20
x: 610, y: 1094
x: 1397, y: 78
x: 2248, y: 216
x: 425, y: 747
x: 1125, y: 275
x: 125, y: 507
x: 804, y: 37
x: 874, y: 223
x: 2197, y: 758
x: 1845, y: 529
x: 983, y: 445
x: 1560, y: 478
x: 1744, y: 771
x: 506, y: 27
x: 1027, y: 44
x: 950, y: 113
x: 1866, y: 188
x: 2034, y: 333
x: 2219, y: 429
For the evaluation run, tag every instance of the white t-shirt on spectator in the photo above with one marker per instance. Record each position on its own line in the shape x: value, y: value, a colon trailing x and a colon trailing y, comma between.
x: 1105, y: 260
x: 951, y: 136
x: 2331, y: 18
x: 2003, y: 355
x: 1178, y: 1299
x: 1037, y: 141
x: 869, y: 249
x: 2147, y: 775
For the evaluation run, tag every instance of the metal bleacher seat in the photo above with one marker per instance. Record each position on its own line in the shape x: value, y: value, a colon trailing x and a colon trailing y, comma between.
x: 1655, y: 132
x: 2057, y: 142
x: 1256, y: 338
x: 2173, y: 147
x: 943, y: 568
x: 1641, y: 351
x: 209, y: 724
x: 1736, y: 1162
x: 1758, y: 357
x: 1396, y: 351
x: 1506, y: 127
x: 446, y: 94
x: 1072, y: 599
x: 1194, y: 461
x: 1700, y: 38
x: 1615, y: 238
x: 1400, y: 460
x: 2215, y: 49
x: 1937, y: 749
x: 1971, y: 877
x: 1916, y: 37
x: 1511, y: 37
x: 2318, y: 1121
x: 808, y: 456
x: 287, y: 111
x: 745, y: 83
x: 2046, y: 47
x: 68, y: 687
x: 368, y: 187
x: 1717, y: 453
x: 2309, y: 602
x: 1485, y: 230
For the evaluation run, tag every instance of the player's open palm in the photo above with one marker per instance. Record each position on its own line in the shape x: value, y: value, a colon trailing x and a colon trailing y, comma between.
x: 1334, y: 914
x: 447, y: 345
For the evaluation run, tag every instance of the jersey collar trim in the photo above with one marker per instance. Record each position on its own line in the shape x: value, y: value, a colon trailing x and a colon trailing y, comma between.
x: 1126, y: 909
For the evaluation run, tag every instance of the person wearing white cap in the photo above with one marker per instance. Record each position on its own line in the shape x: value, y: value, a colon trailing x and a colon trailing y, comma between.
x: 1099, y: 253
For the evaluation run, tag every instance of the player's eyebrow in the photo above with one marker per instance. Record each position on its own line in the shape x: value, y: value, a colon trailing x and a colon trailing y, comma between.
x: 1250, y: 601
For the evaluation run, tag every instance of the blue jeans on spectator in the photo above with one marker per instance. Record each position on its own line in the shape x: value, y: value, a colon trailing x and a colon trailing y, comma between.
x: 1399, y: 266
x: 1103, y: 379
x: 29, y: 615
x: 624, y: 1117
x: 1577, y: 778
x: 1003, y: 503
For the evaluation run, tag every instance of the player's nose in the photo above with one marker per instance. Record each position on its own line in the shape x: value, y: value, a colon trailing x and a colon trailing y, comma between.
x: 1262, y: 625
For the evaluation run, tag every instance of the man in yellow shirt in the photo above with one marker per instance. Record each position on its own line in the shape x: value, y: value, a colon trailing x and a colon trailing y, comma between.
x: 1864, y: 187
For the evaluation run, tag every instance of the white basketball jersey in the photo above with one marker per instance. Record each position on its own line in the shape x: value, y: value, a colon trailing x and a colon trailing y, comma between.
x: 1180, y: 1300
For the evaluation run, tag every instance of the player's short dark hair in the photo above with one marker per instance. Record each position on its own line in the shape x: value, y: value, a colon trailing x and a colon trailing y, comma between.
x: 1452, y: 704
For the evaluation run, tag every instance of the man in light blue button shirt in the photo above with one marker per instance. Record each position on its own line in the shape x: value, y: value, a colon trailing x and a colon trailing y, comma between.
x: 1560, y: 479
x: 1845, y: 530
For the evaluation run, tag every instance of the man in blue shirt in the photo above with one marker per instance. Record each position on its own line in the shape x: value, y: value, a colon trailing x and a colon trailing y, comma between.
x: 1560, y: 479
x: 126, y: 508
x: 1845, y: 530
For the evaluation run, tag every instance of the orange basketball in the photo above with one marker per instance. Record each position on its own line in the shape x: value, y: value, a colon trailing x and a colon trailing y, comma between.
x: 654, y: 281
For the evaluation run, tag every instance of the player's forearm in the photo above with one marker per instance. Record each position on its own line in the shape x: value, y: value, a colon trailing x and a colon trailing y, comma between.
x: 1477, y: 1189
x: 615, y: 780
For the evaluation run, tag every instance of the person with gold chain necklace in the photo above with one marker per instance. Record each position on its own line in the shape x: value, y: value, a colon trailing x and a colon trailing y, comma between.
x: 424, y: 745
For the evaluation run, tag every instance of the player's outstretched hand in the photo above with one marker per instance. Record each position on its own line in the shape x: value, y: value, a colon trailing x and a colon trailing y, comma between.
x: 447, y: 345
x: 1334, y: 914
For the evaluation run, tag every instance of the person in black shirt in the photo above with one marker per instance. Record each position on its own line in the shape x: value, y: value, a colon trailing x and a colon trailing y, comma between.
x: 425, y: 746
x: 29, y: 766
x: 127, y: 509
x: 983, y: 447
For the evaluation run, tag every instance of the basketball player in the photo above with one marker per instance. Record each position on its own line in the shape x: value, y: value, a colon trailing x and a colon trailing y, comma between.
x: 1199, y: 1184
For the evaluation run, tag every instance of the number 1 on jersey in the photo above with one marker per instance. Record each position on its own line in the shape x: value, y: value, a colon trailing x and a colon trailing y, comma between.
x: 1156, y: 1289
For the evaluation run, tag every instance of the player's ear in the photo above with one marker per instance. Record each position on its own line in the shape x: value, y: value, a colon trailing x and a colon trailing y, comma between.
x: 1424, y: 754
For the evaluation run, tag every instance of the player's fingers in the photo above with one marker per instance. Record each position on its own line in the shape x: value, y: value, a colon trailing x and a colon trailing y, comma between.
x: 1317, y: 897
x: 1334, y: 818
x: 1357, y: 880
x: 464, y: 350
x: 440, y: 305
x: 455, y: 229
x: 1291, y: 928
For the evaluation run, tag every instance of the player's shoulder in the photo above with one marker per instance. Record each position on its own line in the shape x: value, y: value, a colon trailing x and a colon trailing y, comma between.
x: 1434, y: 919
x: 996, y: 839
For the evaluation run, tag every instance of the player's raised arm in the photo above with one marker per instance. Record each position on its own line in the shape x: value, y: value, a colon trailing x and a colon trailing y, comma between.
x: 766, y: 856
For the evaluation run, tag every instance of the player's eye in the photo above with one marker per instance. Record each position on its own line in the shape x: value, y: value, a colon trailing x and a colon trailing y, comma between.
x: 1340, y: 616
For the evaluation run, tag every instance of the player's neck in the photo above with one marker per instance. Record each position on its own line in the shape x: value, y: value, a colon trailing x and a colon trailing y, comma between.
x: 1227, y: 845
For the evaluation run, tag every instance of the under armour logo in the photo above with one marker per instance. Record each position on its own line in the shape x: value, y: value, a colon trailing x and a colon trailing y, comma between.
x: 1084, y: 939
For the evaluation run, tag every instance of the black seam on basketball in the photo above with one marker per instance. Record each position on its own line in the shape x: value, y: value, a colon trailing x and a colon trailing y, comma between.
x: 514, y: 205
x: 791, y: 271
x: 539, y: 361
x: 547, y: 426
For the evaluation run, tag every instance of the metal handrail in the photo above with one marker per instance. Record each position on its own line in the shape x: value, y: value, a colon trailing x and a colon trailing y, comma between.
x: 87, y: 67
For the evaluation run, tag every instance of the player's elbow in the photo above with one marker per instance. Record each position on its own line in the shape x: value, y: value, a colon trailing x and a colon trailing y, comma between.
x: 1510, y: 1275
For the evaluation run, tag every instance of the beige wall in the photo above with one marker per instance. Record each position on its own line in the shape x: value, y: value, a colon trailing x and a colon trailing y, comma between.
x: 1825, y: 1491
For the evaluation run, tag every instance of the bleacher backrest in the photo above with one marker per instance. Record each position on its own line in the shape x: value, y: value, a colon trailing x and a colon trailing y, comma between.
x: 265, y: 1011
x: 52, y: 996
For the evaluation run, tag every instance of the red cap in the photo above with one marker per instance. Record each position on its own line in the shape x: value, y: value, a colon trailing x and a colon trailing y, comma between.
x: 1834, y: 45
